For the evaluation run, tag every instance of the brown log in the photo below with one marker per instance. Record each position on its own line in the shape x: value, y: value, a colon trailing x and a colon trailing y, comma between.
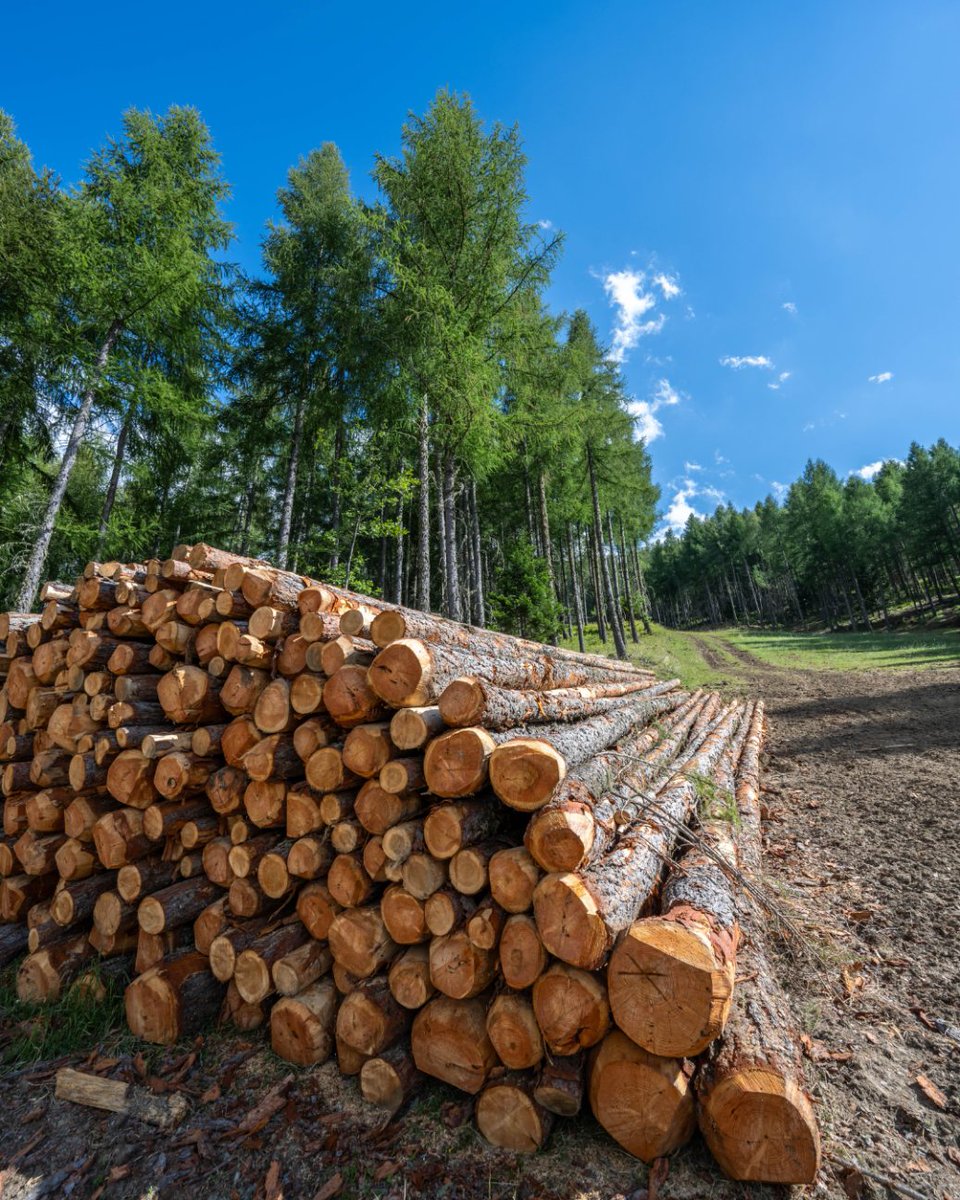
x: 390, y: 1078
x: 76, y: 901
x: 470, y: 701
x: 447, y: 909
x: 404, y: 916
x: 45, y: 809
x: 83, y: 813
x: 572, y: 1008
x: 113, y: 915
x: 409, y: 978
x: 136, y: 880
x: 272, y: 712
x: 240, y: 1013
x: 189, y: 696
x: 273, y: 757
x: 153, y: 948
x: 412, y: 728
x: 644, y: 1102
x: 303, y: 811
x: 216, y: 861
x: 242, y: 688
x: 291, y: 660
x: 449, y: 1041
x: 205, y: 741
x: 130, y: 779
x: 336, y: 807
x: 560, y: 1086
x: 237, y: 738
x: 350, y: 700
x: 301, y: 967
x: 375, y: 861
x: 245, y: 856
x: 400, y: 841
x: 167, y: 820
x: 50, y: 768
x: 319, y: 627
x: 469, y: 868
x: 301, y: 1026
x: 173, y: 1000
x: 309, y: 858
x: 457, y: 763
x: 273, y: 876
x: 13, y: 941
x: 199, y: 830
x: 316, y: 908
x: 412, y: 673
x: 130, y: 658
x: 377, y: 810
x: 176, y: 905
x: 209, y: 924
x: 314, y: 735
x: 360, y: 942
x: 486, y: 924
x: 226, y: 947
x: 225, y: 788
x: 232, y: 606
x: 173, y: 741
x: 367, y: 748
x: 356, y: 622
x: 246, y: 900
x: 264, y: 803
x: 349, y: 883
x: 181, y: 773
x: 422, y: 875
x: 370, y: 1019
x: 326, y: 771
x: 76, y: 861
x: 42, y: 703
x: 15, y: 819
x: 49, y: 659
x: 42, y: 976
x: 119, y: 838
x: 458, y: 968
x: 448, y: 828
x: 19, y: 892
x: 580, y: 915
x: 252, y: 972
x: 509, y: 1116
x: 512, y: 1028
x: 513, y: 878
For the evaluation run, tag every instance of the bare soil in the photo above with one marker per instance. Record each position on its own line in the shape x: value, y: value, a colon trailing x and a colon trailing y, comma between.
x: 862, y: 788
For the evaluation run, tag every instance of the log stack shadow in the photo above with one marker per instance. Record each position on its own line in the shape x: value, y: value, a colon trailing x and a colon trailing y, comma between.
x: 423, y: 848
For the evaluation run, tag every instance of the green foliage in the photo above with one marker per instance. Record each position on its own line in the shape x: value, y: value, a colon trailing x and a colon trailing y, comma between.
x: 523, y: 602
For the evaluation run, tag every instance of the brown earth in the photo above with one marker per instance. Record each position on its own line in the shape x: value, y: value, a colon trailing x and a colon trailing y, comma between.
x: 863, y: 841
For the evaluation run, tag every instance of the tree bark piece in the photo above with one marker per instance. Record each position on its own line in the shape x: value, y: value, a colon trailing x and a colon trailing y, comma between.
x: 560, y: 1086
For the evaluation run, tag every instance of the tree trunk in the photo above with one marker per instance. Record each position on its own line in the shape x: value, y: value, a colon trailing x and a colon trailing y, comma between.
x: 618, y: 638
x: 398, y: 596
x: 336, y: 504
x: 480, y: 610
x: 597, y: 593
x: 577, y: 593
x: 543, y: 517
x: 38, y: 556
x: 114, y: 480
x: 423, y: 523
x: 625, y: 571
x: 290, y: 487
x: 453, y: 606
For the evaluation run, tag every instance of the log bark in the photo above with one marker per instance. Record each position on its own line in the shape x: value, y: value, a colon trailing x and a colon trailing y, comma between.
x: 301, y: 967
x: 43, y: 976
x: 390, y: 1078
x: 301, y: 1026
x: 560, y: 1086
x: 471, y: 701
x: 178, y: 904
x: 253, y: 972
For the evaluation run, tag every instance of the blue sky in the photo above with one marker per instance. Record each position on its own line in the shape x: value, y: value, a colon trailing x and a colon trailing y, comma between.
x: 760, y: 201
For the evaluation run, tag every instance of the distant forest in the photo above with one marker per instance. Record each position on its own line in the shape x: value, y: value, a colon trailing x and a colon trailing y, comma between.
x: 388, y: 403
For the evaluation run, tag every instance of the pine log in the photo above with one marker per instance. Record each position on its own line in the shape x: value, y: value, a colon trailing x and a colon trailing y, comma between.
x: 412, y: 728
x: 509, y: 1116
x: 82, y: 814
x: 315, y: 734
x: 470, y: 867
x: 349, y: 883
x: 370, y: 1019
x: 644, y: 1102
x: 446, y: 909
x: 303, y: 811
x: 409, y: 978
x: 130, y: 658
x: 240, y: 1013
x: 403, y: 775
x: 13, y: 941
x: 390, y: 1078
x: 119, y: 838
x: 264, y: 802
x: 140, y: 879
x: 190, y: 696
x: 301, y: 1026
x: 173, y: 1000
x: 273, y: 757
x: 524, y: 772
x: 486, y: 925
x: 458, y: 968
x: 76, y: 901
x: 113, y: 915
x: 572, y: 1008
x: 75, y: 860
x: 368, y: 748
x: 413, y: 673
x: 216, y: 861
x: 272, y: 712
x: 172, y: 741
x: 153, y: 948
x: 350, y: 699
x: 42, y: 976
x: 209, y: 924
x: 205, y: 741
x: 422, y: 874
x: 449, y: 1041
x: 470, y: 701
x: 309, y: 858
x: 253, y: 970
x: 130, y: 779
x: 580, y: 915
x: 404, y: 917
x: 316, y: 908
x: 319, y: 627
x: 457, y: 763
x: 306, y: 692
x: 19, y: 892
x: 301, y: 967
x: 273, y: 877
x: 176, y: 905
x: 199, y: 830
x: 245, y: 856
x: 512, y: 1028
x: 37, y: 855
x: 560, y: 1086
x: 378, y: 810
x: 448, y: 828
x: 360, y: 942
x: 513, y: 878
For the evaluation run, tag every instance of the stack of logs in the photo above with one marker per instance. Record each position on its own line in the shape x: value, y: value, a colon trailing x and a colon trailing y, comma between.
x: 424, y: 848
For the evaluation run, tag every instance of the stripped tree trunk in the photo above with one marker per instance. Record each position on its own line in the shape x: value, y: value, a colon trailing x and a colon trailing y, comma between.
x: 286, y: 513
x: 423, y: 529
x: 453, y: 607
x: 114, y: 480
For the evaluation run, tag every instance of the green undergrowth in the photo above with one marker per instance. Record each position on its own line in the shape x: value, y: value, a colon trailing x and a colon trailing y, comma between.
x: 915, y: 650
x: 74, y: 1024
x: 669, y: 652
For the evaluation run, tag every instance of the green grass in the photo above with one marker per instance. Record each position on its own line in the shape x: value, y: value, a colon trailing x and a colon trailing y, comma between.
x: 74, y: 1024
x: 847, y: 651
x: 676, y: 653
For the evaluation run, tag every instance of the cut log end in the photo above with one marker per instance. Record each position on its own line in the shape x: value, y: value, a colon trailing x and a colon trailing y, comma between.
x: 511, y: 1119
x: 455, y: 764
x: 569, y: 921
x: 761, y: 1128
x: 668, y: 991
x: 525, y: 771
x: 462, y: 702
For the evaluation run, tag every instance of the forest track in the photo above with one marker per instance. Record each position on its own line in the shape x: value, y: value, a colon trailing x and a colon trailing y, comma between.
x: 862, y: 793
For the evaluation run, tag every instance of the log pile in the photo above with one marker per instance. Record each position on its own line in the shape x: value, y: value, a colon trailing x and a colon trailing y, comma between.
x: 424, y: 848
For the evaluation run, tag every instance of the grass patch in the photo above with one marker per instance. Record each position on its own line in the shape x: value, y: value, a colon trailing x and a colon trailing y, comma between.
x: 669, y: 652
x: 846, y: 651
x: 83, y: 1017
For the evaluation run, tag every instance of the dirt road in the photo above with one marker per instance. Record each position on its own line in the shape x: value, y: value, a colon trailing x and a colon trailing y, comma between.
x: 863, y: 841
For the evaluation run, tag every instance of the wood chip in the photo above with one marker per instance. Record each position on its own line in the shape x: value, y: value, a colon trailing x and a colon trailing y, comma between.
x: 932, y: 1092
x: 331, y: 1188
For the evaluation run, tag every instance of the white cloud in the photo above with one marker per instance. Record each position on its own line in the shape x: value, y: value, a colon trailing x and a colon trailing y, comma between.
x: 869, y: 470
x: 634, y: 303
x: 883, y: 377
x: 779, y: 489
x: 781, y: 378
x: 737, y: 361
x: 809, y: 425
x: 691, y: 466
x: 789, y: 306
x: 719, y: 459
x: 681, y: 509
x: 668, y: 285
x: 545, y: 224
x: 646, y: 423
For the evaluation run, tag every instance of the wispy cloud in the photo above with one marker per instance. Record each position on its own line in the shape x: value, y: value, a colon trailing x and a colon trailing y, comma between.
x: 883, y: 377
x: 646, y: 423
x: 545, y: 223
x: 668, y: 284
x: 634, y: 303
x: 739, y: 361
x: 869, y: 470
x: 781, y: 379
x: 681, y: 509
x: 789, y: 306
x: 691, y: 466
x: 779, y: 489
x: 809, y: 425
